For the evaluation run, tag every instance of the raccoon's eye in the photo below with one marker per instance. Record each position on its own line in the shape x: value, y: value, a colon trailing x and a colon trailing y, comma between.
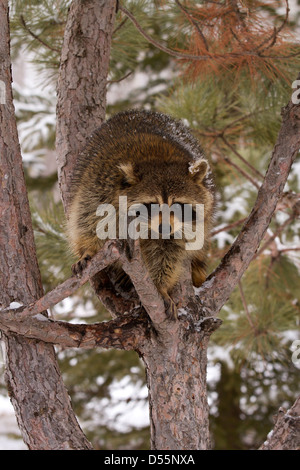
x: 189, y: 214
x: 124, y: 183
x: 149, y: 206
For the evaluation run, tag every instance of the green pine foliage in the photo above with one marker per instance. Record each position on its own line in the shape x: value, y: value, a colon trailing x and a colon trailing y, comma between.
x: 48, y: 223
x: 233, y: 117
x: 38, y: 27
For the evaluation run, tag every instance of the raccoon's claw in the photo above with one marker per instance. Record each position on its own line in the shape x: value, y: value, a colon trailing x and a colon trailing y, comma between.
x: 78, y: 267
x: 171, y: 309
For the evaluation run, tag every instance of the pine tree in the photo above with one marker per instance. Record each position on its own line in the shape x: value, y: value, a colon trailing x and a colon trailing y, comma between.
x: 232, y: 102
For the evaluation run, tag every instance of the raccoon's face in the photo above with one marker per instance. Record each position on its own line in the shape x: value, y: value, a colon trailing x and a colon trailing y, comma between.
x: 168, y: 198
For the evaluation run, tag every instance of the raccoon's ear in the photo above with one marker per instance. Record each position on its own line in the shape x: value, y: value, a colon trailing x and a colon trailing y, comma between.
x: 127, y: 171
x: 198, y: 170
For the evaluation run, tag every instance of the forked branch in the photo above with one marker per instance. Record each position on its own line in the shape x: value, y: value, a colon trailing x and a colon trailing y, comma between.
x: 125, y: 332
x: 217, y: 289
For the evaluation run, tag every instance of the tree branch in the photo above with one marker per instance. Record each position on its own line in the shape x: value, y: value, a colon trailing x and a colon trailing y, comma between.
x: 194, y: 23
x: 246, y: 308
x: 227, y: 227
x: 108, y: 255
x: 240, y: 157
x: 273, y: 38
x: 286, y: 432
x: 128, y: 332
x: 217, y: 289
x: 275, y: 235
x: 240, y: 170
x: 144, y: 286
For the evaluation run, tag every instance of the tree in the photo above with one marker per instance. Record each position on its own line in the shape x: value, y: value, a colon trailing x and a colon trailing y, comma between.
x: 178, y: 402
x: 27, y: 361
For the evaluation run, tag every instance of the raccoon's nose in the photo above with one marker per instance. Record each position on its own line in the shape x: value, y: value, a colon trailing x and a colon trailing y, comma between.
x: 165, y: 229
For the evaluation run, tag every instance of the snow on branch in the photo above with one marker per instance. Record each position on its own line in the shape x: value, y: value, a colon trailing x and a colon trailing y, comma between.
x: 125, y: 332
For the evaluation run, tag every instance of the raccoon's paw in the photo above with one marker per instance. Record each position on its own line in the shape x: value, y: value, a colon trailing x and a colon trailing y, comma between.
x: 171, y: 309
x: 78, y: 267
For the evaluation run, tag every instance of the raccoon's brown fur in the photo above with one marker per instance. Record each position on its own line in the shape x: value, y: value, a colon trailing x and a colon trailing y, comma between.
x: 150, y: 158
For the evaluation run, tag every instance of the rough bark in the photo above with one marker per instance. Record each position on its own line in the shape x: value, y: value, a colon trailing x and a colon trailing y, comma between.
x: 176, y: 376
x: 81, y: 88
x: 126, y: 332
x: 41, y: 402
x: 174, y: 352
x: 286, y: 432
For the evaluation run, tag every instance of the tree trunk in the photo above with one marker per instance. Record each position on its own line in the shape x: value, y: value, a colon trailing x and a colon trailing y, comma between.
x: 174, y: 352
x: 36, y: 389
x: 176, y: 377
x: 81, y: 88
x: 81, y: 100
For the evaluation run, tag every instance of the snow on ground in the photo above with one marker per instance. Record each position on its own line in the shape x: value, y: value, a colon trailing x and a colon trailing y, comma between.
x: 126, y: 409
x: 120, y: 412
x: 10, y: 436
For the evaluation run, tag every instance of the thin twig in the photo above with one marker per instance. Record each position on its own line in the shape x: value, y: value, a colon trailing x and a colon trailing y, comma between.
x: 186, y: 56
x: 275, y: 234
x: 238, y: 120
x: 120, y: 25
x: 240, y: 157
x: 273, y: 37
x: 240, y: 170
x: 285, y: 250
x: 152, y: 41
x: 228, y: 227
x: 35, y: 36
x: 109, y: 82
x: 194, y: 23
x: 246, y: 308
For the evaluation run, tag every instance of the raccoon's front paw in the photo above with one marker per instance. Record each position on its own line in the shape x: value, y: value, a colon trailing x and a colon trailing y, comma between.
x: 171, y: 309
x: 78, y: 267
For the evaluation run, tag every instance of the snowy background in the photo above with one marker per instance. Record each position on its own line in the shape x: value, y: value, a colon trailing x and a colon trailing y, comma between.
x: 122, y: 412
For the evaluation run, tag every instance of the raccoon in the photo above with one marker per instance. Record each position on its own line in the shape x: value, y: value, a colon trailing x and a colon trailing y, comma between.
x: 152, y: 160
